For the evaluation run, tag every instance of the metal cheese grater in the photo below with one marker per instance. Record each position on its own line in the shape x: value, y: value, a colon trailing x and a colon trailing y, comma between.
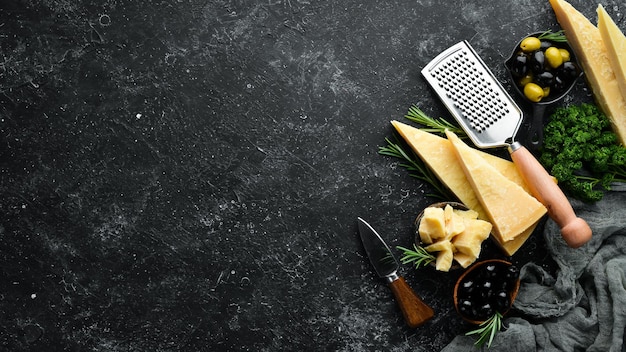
x: 491, y: 118
x: 474, y: 96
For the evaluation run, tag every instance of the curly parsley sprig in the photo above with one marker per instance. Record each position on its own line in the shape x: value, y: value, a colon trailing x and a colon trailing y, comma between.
x: 581, y: 150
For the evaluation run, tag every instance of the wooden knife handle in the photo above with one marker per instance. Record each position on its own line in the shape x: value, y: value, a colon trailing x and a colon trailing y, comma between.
x: 575, y: 231
x: 414, y: 310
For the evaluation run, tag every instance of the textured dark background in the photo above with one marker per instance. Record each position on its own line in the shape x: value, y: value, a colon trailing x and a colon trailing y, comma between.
x: 185, y: 175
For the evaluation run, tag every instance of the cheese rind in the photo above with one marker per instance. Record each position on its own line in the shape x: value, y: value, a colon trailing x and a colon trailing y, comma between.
x: 615, y: 43
x: 510, y: 208
x: 586, y: 40
x: 438, y: 154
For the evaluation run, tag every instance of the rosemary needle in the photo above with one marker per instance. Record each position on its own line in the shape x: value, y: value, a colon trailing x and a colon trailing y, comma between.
x: 416, y: 167
x: 418, y: 256
x: 487, y: 330
x: 553, y: 36
x: 439, y: 125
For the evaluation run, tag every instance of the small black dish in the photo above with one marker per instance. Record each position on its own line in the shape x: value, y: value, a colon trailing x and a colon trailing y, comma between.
x: 535, y: 129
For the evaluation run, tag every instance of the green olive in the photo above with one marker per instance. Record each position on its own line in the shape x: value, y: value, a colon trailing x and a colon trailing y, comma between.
x: 554, y: 57
x: 565, y: 54
x: 546, y: 92
x: 526, y: 79
x: 530, y: 44
x: 533, y: 92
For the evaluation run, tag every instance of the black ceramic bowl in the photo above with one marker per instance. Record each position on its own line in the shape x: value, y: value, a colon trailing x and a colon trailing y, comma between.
x: 557, y: 92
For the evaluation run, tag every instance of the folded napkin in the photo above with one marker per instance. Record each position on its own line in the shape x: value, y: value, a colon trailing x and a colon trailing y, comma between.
x: 583, y: 308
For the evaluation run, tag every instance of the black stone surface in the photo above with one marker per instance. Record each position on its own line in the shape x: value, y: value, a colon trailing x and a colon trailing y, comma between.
x: 185, y: 175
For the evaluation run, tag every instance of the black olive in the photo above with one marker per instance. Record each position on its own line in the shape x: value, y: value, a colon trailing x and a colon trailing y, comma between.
x: 502, y: 301
x: 519, y: 65
x: 537, y: 61
x: 485, y: 311
x: 545, y: 44
x: 512, y: 272
x: 568, y: 71
x: 490, y: 271
x: 467, y: 287
x: 545, y: 79
x: 502, y: 284
x: 511, y: 276
x: 487, y: 294
x: 466, y: 309
x: 559, y: 84
x: 476, y: 314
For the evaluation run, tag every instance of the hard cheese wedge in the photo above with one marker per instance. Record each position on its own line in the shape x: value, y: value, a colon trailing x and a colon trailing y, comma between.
x: 586, y: 40
x: 439, y: 155
x: 615, y: 43
x: 510, y: 208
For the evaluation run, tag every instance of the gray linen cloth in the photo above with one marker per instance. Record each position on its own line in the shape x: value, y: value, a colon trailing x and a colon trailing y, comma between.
x: 583, y: 308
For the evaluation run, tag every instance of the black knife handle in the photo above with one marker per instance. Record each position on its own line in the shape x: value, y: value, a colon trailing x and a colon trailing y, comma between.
x: 414, y: 310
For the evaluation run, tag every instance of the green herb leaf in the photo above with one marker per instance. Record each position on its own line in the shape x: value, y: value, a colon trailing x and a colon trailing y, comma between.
x: 439, y: 125
x: 416, y: 168
x: 418, y: 256
x: 558, y: 37
x: 487, y: 330
x: 582, y: 152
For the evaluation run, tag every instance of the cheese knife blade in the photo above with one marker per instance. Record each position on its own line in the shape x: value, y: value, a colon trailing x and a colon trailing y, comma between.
x: 414, y: 310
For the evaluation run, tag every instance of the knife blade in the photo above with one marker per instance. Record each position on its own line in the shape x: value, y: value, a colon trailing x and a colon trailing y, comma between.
x: 414, y: 310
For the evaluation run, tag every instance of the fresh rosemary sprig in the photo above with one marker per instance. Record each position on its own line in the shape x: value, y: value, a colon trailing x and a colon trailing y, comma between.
x: 418, y: 256
x: 553, y: 36
x: 416, y: 168
x: 439, y: 125
x: 487, y: 330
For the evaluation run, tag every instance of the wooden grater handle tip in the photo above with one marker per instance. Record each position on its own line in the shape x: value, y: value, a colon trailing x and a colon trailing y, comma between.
x: 576, y: 233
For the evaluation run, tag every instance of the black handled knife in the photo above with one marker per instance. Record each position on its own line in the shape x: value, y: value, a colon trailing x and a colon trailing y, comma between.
x: 414, y: 310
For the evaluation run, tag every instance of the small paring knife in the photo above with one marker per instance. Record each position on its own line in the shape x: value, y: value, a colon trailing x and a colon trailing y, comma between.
x: 414, y: 310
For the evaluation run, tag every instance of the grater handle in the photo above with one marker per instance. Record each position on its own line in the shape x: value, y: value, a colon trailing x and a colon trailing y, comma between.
x: 535, y: 132
x: 575, y: 231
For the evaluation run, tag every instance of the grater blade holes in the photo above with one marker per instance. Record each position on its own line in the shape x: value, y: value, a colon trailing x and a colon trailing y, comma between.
x: 466, y: 86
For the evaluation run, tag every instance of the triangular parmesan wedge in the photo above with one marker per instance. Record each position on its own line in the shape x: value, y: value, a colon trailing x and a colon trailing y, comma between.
x: 438, y: 154
x: 586, y: 40
x: 615, y: 43
x: 510, y: 208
